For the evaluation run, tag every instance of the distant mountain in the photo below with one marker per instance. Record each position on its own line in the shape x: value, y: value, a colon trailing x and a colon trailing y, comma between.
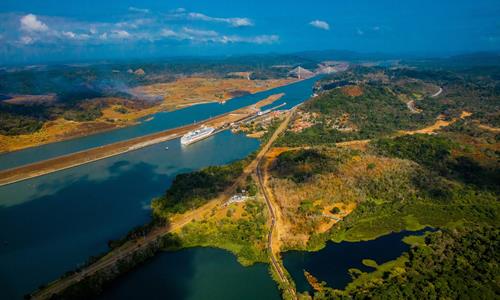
x: 347, y: 55
x: 462, y: 61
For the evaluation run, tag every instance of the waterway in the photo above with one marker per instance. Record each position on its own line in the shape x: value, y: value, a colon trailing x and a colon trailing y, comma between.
x: 53, y: 223
x: 295, y: 93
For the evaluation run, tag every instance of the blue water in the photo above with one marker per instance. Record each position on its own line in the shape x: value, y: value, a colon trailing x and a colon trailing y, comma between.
x: 53, y: 223
x: 331, y: 264
x: 194, y: 274
x: 50, y: 224
x: 294, y: 94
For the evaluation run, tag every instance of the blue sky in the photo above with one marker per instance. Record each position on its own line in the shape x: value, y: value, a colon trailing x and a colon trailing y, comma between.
x: 37, y: 31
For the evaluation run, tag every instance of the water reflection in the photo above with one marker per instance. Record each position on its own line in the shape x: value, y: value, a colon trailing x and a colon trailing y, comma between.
x: 52, y: 223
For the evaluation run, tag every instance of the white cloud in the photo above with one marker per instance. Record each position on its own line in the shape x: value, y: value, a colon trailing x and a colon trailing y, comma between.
x: 265, y: 39
x: 57, y: 30
x: 179, y: 10
x: 139, y: 10
x: 26, y: 40
x: 235, y: 22
x: 75, y: 36
x: 69, y: 34
x: 120, y: 34
x: 199, y: 33
x: 259, y: 39
x: 30, y: 23
x: 168, y: 33
x: 320, y: 24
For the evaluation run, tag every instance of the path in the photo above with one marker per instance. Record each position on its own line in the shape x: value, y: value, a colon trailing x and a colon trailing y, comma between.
x: 437, y: 93
x: 273, y: 244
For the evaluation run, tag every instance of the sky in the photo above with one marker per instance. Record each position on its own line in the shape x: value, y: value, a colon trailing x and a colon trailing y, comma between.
x: 56, y: 30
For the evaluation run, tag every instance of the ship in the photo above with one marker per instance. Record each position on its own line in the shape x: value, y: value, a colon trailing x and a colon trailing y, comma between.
x: 197, y: 135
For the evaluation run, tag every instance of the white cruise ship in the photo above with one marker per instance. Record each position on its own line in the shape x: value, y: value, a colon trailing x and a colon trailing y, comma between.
x: 196, y: 135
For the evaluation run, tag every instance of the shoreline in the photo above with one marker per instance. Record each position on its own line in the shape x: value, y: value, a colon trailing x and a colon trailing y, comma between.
x: 17, y: 174
x: 136, y: 121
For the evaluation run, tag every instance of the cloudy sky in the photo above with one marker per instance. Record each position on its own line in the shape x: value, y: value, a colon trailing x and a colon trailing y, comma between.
x: 49, y: 30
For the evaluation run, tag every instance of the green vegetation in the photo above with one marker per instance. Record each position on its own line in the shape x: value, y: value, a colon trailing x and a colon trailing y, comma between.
x: 434, y: 152
x: 15, y: 120
x: 244, y: 236
x: 89, y: 114
x: 302, y: 164
x: 378, y: 111
x: 451, y: 264
x: 191, y: 190
x: 432, y: 193
x: 92, y: 285
x: 428, y: 150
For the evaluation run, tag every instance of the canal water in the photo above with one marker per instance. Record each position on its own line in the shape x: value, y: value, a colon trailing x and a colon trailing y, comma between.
x: 295, y: 93
x: 53, y: 223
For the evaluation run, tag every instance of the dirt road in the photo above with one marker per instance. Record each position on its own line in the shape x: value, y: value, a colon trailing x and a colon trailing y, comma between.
x: 273, y: 236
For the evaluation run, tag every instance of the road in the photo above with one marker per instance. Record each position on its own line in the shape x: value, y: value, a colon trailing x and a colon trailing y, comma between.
x: 437, y: 93
x: 176, y: 223
x: 274, y: 261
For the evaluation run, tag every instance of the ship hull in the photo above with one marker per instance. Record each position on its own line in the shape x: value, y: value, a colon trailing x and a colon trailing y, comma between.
x: 196, y: 138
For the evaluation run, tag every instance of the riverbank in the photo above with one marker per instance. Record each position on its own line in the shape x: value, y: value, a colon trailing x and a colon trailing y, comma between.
x: 182, y: 93
x: 136, y: 250
x: 79, y: 158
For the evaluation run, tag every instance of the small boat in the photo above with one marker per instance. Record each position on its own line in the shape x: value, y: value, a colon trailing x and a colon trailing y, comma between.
x: 166, y: 148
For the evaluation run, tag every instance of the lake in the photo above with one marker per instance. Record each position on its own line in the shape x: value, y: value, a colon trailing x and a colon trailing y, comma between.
x: 194, y: 274
x: 331, y: 264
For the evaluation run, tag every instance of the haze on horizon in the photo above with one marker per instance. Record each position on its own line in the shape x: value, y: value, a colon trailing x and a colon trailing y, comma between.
x: 42, y: 31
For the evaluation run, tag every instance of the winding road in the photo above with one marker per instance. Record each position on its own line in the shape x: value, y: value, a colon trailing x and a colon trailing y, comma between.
x: 274, y: 261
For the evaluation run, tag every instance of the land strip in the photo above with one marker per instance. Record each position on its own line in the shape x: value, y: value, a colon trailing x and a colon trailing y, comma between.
x: 116, y: 112
x: 175, y: 224
x: 273, y: 243
x: 83, y: 157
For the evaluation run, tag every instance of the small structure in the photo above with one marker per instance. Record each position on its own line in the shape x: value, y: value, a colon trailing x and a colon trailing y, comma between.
x: 236, y: 198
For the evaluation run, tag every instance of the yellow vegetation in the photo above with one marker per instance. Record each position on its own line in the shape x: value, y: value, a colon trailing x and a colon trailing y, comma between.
x: 180, y: 93
x: 195, y: 90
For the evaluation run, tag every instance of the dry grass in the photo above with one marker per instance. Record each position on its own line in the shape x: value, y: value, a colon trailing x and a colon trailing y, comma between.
x: 181, y: 93
x: 52, y: 131
x: 352, y: 90
x: 440, y: 123
x: 326, y: 191
x: 489, y: 128
x: 194, y: 90
x: 31, y: 99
